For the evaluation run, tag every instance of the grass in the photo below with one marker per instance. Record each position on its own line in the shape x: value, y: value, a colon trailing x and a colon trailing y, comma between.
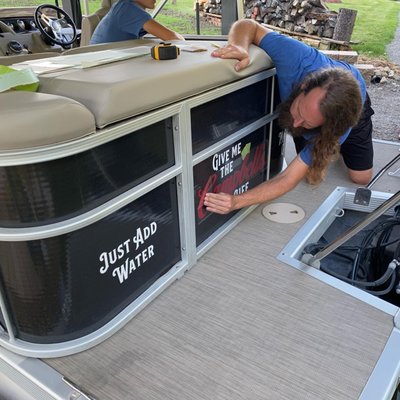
x: 183, y: 19
x: 375, y: 25
x: 374, y: 29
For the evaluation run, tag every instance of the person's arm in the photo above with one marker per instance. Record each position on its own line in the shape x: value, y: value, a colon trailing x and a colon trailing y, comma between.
x: 242, y: 34
x: 160, y: 31
x: 223, y: 203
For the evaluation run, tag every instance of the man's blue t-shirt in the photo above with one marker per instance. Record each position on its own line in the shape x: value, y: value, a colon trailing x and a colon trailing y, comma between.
x: 124, y: 21
x: 293, y: 61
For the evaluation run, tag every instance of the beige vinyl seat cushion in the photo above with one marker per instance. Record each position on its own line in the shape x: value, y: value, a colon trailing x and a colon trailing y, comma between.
x: 121, y: 90
x: 30, y: 120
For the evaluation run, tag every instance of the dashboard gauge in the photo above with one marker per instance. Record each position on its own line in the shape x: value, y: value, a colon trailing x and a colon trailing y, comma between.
x: 21, y: 24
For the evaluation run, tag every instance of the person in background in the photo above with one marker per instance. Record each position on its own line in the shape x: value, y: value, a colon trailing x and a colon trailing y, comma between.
x: 128, y: 19
x: 324, y: 106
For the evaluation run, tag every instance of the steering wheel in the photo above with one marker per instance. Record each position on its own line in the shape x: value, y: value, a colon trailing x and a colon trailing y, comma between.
x: 59, y: 30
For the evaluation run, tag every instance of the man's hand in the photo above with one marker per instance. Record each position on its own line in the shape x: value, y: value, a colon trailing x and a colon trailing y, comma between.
x: 235, y: 52
x: 220, y: 203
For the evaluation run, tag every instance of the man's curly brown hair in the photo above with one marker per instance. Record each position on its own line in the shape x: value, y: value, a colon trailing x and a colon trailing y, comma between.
x: 341, y: 108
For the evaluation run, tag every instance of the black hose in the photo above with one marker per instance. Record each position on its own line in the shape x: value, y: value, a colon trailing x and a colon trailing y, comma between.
x: 384, y: 291
x: 379, y: 282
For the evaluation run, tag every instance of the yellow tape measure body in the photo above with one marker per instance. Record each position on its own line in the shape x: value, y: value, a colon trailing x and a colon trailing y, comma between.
x: 165, y: 51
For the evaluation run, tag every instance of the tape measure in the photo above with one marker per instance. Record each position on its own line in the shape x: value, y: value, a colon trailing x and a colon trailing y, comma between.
x: 165, y: 51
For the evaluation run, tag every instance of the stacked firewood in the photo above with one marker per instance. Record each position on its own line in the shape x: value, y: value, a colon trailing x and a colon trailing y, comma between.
x: 300, y: 16
x: 211, y: 6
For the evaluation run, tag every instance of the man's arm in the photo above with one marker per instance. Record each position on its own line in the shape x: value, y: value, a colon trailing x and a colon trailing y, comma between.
x: 160, y: 31
x: 242, y: 34
x: 223, y: 203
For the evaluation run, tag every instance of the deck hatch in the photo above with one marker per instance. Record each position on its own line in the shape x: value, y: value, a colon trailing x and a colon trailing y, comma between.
x: 337, y: 214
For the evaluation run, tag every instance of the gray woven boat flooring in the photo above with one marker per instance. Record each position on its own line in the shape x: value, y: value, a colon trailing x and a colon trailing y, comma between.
x: 241, y: 325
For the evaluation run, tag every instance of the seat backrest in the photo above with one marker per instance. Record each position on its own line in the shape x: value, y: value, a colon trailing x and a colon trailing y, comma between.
x: 90, y: 22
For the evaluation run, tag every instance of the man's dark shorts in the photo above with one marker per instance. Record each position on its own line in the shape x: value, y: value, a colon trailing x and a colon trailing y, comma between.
x: 357, y: 150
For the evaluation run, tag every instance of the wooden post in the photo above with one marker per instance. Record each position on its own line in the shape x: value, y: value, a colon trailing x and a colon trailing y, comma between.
x: 240, y: 9
x: 344, y: 24
x: 229, y: 15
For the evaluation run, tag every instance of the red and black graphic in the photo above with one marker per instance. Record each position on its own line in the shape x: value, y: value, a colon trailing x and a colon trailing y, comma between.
x: 235, y: 169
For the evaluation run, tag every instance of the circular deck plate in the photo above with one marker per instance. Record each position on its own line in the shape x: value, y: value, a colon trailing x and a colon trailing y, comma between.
x: 284, y: 213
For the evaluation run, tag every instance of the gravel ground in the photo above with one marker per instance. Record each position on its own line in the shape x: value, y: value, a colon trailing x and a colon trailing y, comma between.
x: 385, y: 97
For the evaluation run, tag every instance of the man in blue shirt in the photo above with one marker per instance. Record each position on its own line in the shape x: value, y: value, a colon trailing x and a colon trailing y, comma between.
x: 324, y: 106
x: 127, y: 19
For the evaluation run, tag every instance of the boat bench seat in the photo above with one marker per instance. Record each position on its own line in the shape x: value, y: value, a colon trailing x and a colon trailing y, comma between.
x: 120, y: 90
x: 31, y: 120
x: 75, y: 102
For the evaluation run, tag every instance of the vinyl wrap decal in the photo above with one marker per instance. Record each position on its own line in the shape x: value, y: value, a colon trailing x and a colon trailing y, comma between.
x: 65, y: 287
x: 235, y: 169
x: 52, y: 191
x: 219, y: 118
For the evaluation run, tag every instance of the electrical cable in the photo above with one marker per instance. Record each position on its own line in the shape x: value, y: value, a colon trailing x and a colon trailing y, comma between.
x: 367, y: 244
x: 371, y: 252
